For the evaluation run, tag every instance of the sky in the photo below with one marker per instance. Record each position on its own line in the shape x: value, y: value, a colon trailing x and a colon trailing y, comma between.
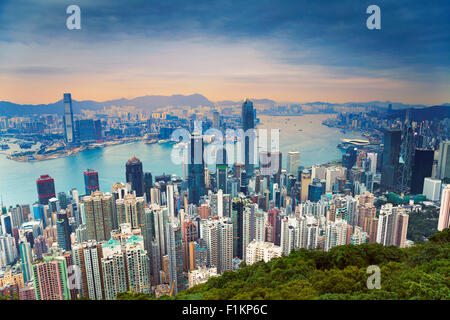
x: 288, y: 51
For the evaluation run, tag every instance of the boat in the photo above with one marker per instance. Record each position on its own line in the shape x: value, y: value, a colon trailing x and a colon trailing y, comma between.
x: 152, y: 141
x: 163, y: 141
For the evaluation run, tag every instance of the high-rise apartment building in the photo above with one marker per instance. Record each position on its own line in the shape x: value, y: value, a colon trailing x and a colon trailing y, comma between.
x: 401, y: 229
x: 225, y: 245
x: 175, y: 253
x: 51, y: 278
x: 130, y: 210
x: 387, y: 224
x: 99, y: 211
x: 87, y: 256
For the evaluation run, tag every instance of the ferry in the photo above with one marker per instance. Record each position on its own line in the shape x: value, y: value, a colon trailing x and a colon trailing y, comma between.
x: 152, y: 141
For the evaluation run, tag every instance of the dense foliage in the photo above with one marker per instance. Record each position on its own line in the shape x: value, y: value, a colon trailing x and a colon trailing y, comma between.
x: 422, y: 224
x: 133, y: 296
x: 419, y: 272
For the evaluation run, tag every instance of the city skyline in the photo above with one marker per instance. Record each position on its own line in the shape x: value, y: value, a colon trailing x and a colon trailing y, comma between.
x: 161, y: 237
x: 224, y: 150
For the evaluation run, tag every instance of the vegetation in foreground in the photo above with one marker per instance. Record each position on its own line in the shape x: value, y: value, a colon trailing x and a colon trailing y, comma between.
x: 419, y: 272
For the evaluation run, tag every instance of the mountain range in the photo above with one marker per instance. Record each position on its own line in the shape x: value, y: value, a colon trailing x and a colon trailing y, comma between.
x: 153, y: 102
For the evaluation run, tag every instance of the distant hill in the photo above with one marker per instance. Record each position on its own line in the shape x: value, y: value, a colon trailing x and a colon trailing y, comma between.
x: 420, y: 114
x: 384, y: 105
x: 340, y: 273
x: 417, y: 272
x: 152, y: 102
x: 229, y: 103
x: 144, y: 102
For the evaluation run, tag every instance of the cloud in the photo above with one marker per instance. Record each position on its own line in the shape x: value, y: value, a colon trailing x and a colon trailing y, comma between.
x: 284, y: 37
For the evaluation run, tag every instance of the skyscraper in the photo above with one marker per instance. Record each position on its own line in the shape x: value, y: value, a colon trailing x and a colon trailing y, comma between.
x: 45, y: 188
x: 305, y: 181
x: 216, y: 120
x: 50, y: 279
x: 135, y: 175
x: 422, y: 168
x: 63, y: 229
x: 189, y: 235
x: 444, y: 213
x: 443, y: 168
x: 148, y: 184
x: 196, y: 169
x: 225, y: 246
x: 130, y: 210
x: 221, y: 177
x: 170, y: 200
x: 293, y: 162
x: 98, y: 208
x: 407, y: 155
x: 248, y: 124
x: 237, y: 214
x: 91, y: 181
x: 401, y: 230
x: 114, y: 275
x: 175, y: 253
x: 390, y: 161
x: 386, y: 225
x: 315, y: 190
x: 87, y: 256
x: 432, y: 189
x: 68, y: 119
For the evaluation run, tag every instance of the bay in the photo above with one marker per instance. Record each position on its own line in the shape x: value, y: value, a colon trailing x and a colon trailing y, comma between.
x: 316, y: 142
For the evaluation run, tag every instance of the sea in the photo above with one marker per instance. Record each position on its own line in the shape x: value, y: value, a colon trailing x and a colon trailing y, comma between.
x: 317, y: 144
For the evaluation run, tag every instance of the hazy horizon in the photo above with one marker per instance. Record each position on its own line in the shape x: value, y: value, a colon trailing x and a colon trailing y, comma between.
x: 75, y: 98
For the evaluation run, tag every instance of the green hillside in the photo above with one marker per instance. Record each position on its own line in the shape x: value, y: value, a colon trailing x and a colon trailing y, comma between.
x: 419, y: 272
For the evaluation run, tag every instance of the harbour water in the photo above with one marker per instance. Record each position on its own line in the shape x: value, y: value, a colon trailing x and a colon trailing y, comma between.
x: 316, y: 142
